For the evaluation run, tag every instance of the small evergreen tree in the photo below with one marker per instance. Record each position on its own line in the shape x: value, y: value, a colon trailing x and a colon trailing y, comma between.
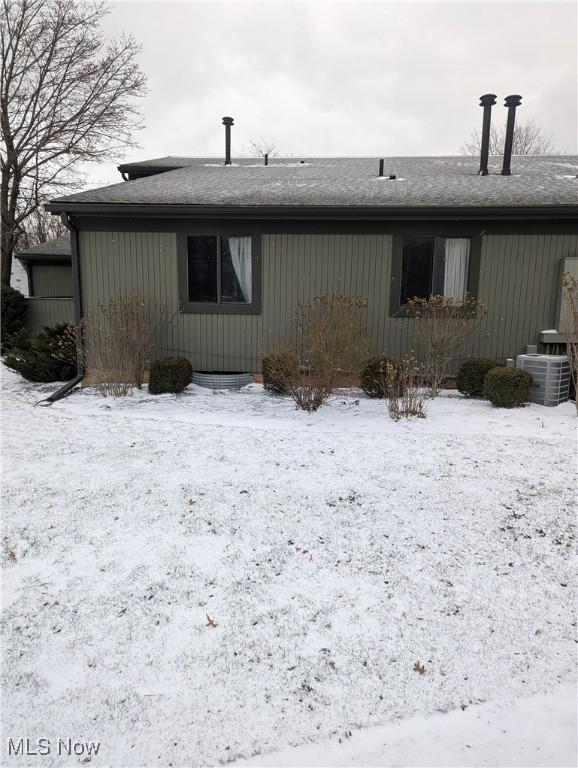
x: 13, y: 311
x: 37, y: 358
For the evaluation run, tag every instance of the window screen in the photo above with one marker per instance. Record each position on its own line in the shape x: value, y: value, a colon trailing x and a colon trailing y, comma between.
x: 202, y: 262
x: 416, y: 268
x: 219, y: 269
x: 434, y: 266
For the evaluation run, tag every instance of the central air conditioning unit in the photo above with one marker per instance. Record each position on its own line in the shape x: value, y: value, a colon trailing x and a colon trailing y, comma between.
x: 550, y: 376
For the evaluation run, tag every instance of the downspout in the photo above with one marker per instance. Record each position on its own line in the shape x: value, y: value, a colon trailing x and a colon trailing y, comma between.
x: 29, y: 277
x: 67, y: 388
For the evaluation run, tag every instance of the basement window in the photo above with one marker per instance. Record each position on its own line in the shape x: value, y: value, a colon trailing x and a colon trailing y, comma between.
x: 219, y: 273
x: 434, y: 266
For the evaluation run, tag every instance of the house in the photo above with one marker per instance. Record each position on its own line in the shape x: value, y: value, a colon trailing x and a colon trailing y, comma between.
x: 50, y: 286
x: 236, y: 245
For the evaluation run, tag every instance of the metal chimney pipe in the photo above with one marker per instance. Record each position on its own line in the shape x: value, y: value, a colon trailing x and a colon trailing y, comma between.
x: 511, y: 102
x: 381, y: 167
x: 227, y: 122
x: 487, y: 101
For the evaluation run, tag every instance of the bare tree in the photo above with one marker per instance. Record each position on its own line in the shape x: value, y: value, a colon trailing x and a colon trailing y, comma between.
x: 65, y: 97
x: 261, y: 147
x: 529, y: 139
x: 40, y: 227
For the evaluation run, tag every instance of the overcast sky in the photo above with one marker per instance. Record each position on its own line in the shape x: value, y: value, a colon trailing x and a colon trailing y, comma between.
x: 346, y: 78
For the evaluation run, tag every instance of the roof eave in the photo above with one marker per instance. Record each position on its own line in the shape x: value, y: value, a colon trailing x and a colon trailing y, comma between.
x: 319, y: 212
x: 45, y: 258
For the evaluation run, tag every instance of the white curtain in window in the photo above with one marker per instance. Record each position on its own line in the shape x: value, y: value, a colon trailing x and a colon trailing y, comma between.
x: 456, y: 267
x: 240, y: 248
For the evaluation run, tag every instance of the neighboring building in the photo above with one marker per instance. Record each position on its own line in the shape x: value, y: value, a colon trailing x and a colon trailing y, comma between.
x: 19, y: 278
x: 50, y: 284
x: 237, y: 246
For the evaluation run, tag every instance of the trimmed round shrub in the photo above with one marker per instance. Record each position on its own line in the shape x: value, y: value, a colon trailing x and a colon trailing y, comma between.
x: 13, y: 314
x: 372, y: 375
x: 277, y: 369
x: 470, y: 381
x: 169, y: 374
x: 39, y: 358
x: 507, y: 387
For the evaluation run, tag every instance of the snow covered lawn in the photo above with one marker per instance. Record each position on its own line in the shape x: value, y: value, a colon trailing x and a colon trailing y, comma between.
x: 208, y: 577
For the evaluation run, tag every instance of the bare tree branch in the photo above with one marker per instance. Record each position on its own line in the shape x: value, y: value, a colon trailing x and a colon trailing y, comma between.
x: 529, y: 139
x: 40, y: 227
x: 261, y: 147
x: 66, y: 97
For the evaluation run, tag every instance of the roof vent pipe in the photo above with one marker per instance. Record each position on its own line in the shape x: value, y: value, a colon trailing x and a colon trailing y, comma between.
x: 487, y: 101
x: 227, y: 122
x: 511, y: 102
x: 266, y: 157
x: 381, y: 167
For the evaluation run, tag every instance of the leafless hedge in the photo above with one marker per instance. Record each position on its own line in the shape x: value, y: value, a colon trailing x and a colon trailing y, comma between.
x: 331, y: 346
x: 115, y: 343
x: 405, y: 386
x: 442, y: 326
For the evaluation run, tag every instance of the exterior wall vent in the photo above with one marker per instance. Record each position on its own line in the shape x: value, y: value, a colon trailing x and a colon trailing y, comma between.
x: 381, y: 175
x: 550, y: 375
x: 222, y: 380
x: 228, y: 122
x: 512, y: 102
x: 487, y: 101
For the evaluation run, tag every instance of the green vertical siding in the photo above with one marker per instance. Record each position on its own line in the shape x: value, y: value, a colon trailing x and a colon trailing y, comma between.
x: 294, y: 269
x: 41, y: 312
x: 52, y: 280
x: 519, y: 281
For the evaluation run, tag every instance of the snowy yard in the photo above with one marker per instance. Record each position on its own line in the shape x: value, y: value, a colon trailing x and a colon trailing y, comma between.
x: 204, y: 578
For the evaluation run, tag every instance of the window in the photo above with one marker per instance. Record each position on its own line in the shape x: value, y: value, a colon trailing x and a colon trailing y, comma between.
x: 434, y: 266
x: 219, y: 269
x: 219, y: 272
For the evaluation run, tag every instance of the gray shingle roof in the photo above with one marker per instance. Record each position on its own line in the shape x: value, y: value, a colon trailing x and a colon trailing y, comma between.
x: 59, y: 247
x: 444, y: 182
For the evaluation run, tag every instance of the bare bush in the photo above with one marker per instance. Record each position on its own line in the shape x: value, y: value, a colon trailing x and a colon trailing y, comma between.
x: 331, y: 334
x: 310, y: 389
x: 331, y: 347
x: 570, y: 294
x: 404, y: 385
x: 442, y: 326
x: 115, y: 343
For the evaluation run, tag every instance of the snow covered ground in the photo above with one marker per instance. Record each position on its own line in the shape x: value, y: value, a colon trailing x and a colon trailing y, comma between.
x: 535, y: 731
x: 330, y: 551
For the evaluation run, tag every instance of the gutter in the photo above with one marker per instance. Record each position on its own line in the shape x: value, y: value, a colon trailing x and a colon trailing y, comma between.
x: 318, y: 212
x: 67, y: 388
